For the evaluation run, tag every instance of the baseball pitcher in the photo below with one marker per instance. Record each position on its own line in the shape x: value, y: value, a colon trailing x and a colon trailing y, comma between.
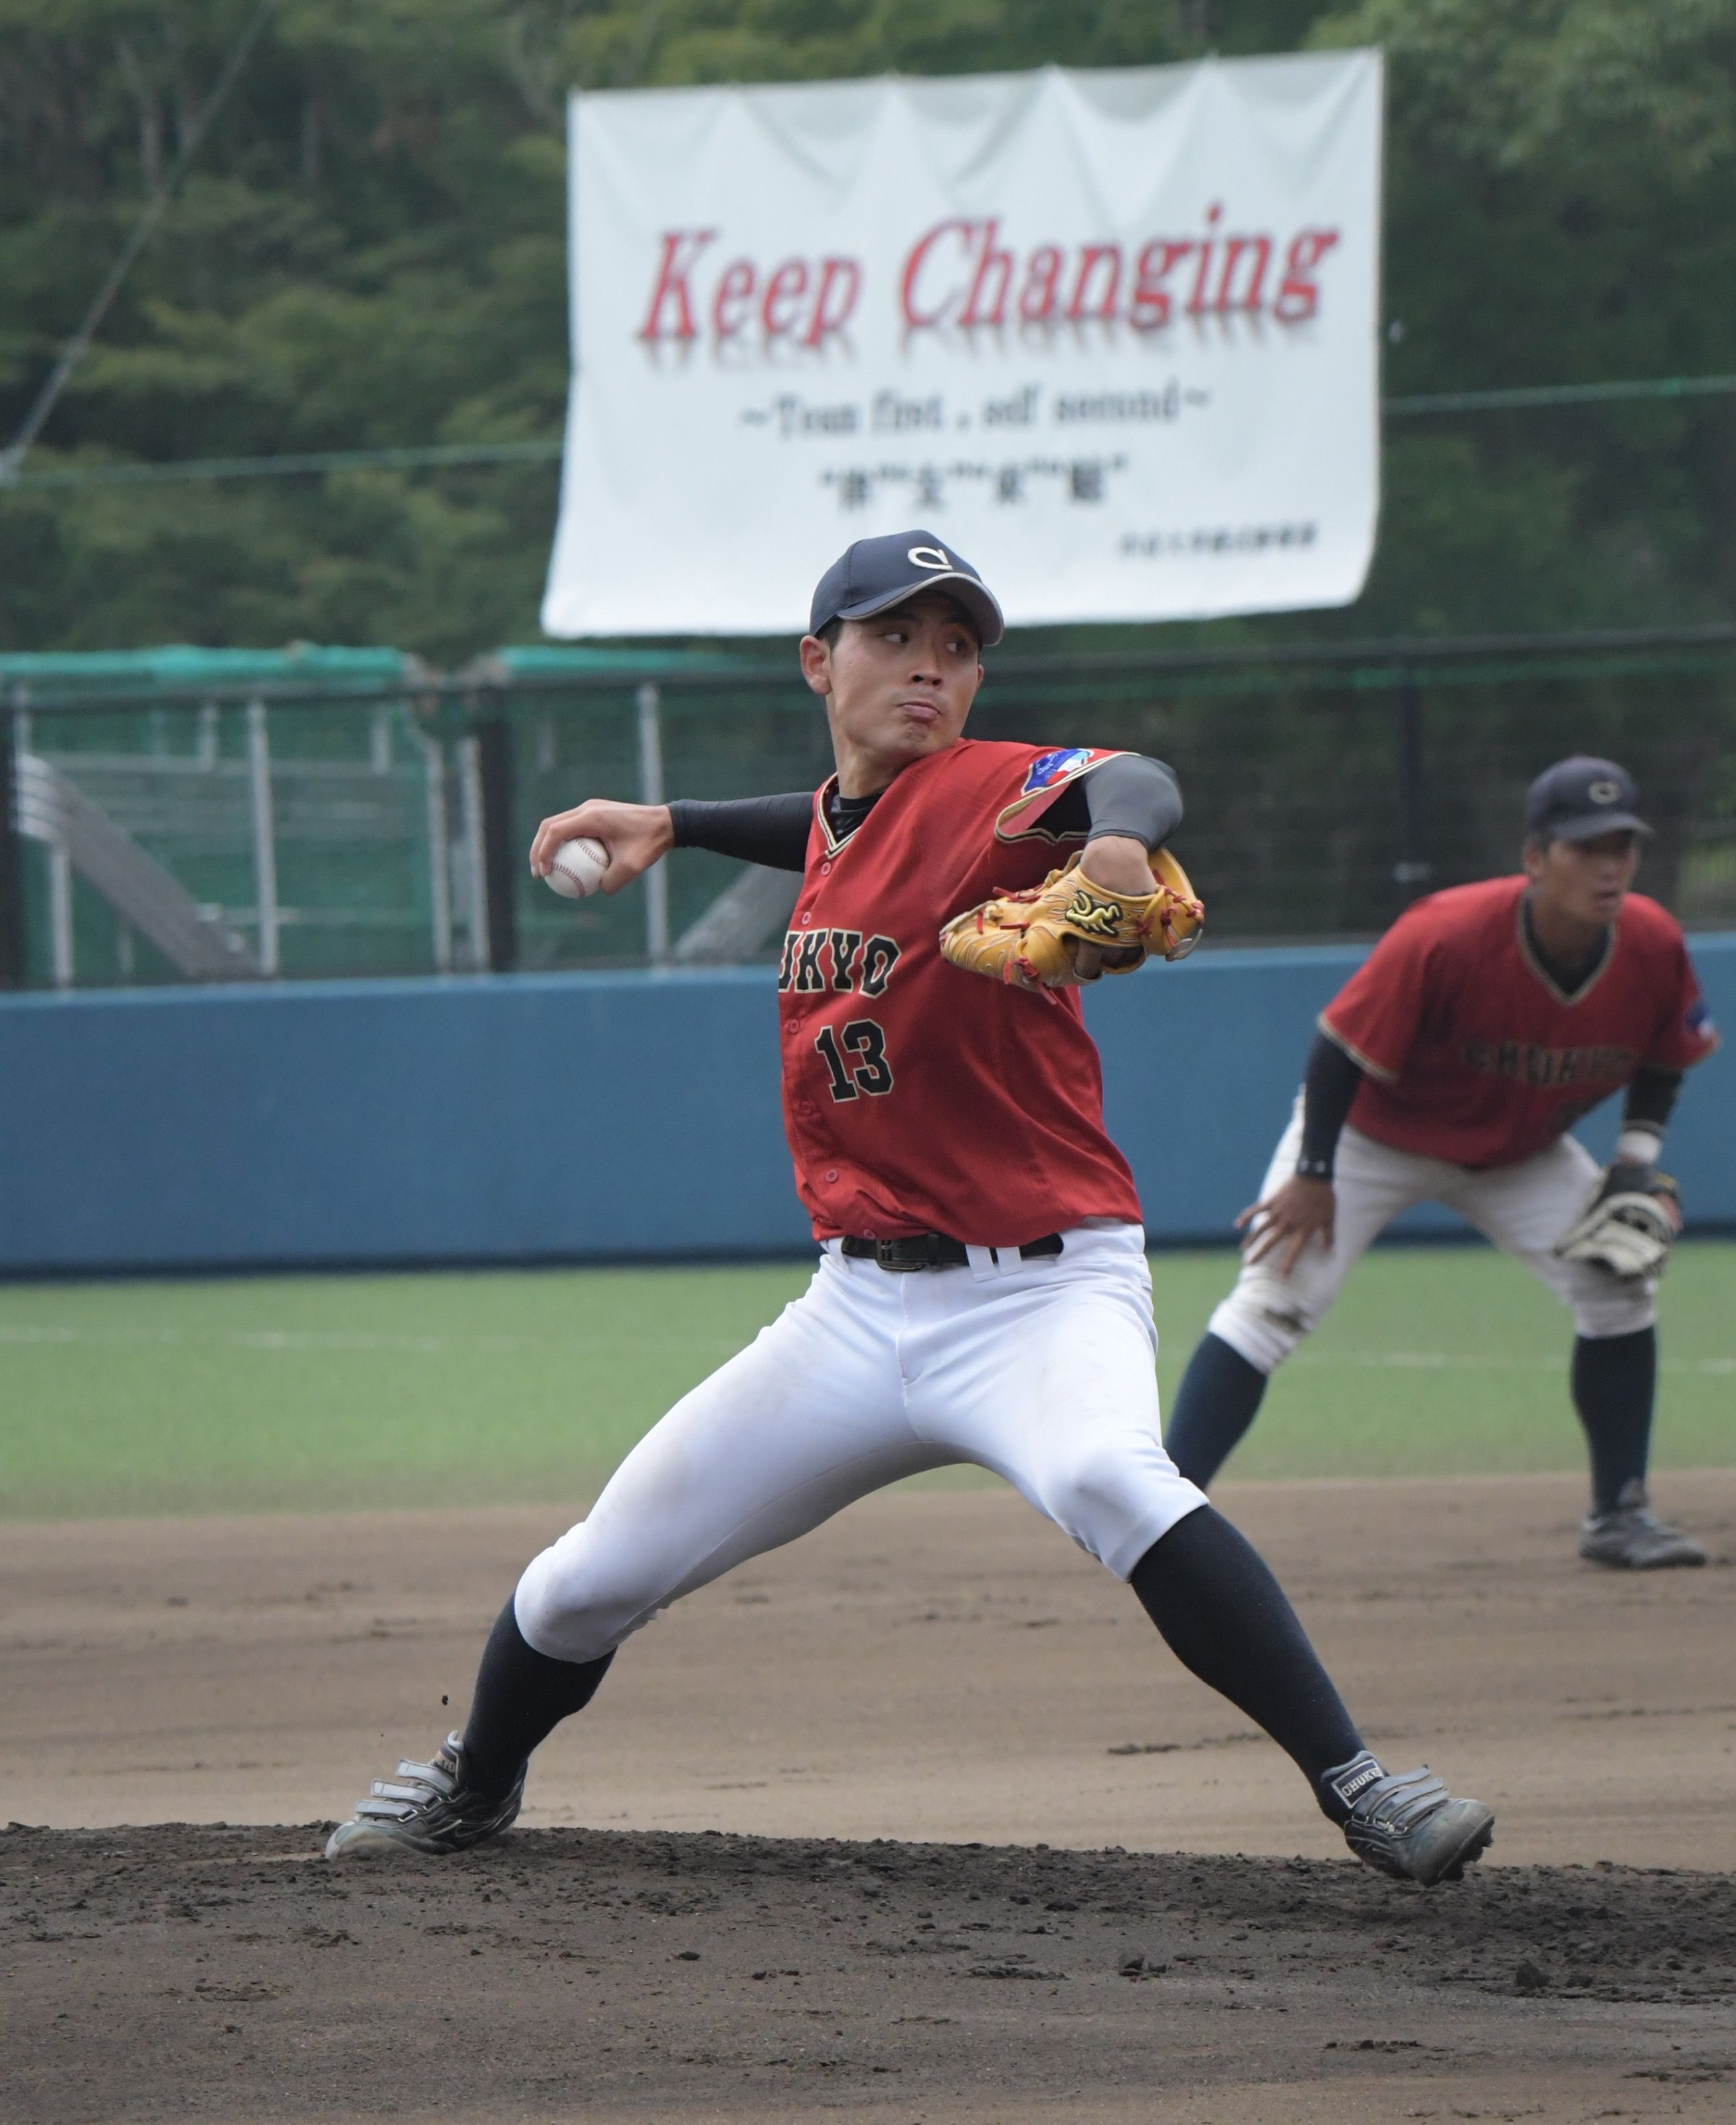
x: 982, y: 1292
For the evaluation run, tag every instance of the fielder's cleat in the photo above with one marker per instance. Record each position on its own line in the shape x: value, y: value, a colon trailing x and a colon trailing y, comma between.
x: 426, y: 1808
x: 1632, y: 1539
x: 1406, y: 1823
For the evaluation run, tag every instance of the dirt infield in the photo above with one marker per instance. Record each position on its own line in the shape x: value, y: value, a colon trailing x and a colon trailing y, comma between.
x: 225, y: 1975
x: 933, y: 1667
x: 930, y: 1666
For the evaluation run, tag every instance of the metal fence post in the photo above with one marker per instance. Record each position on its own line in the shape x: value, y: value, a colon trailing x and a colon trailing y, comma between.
x: 651, y: 792
x: 12, y: 955
x: 61, y: 914
x: 265, y: 843
x: 476, y: 869
x: 440, y: 853
x: 1413, y: 870
x: 500, y: 859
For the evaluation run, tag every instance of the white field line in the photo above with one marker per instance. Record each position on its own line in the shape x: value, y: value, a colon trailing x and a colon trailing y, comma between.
x: 310, y: 1339
x: 299, y: 1340
x: 1444, y: 1361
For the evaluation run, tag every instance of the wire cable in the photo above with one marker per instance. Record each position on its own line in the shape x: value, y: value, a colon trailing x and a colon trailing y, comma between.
x: 547, y: 449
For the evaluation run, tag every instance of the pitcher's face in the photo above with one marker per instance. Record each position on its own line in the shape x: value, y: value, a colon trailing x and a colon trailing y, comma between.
x: 896, y: 686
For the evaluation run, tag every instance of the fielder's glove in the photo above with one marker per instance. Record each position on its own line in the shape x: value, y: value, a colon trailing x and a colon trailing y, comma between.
x: 1630, y: 1225
x: 1030, y: 939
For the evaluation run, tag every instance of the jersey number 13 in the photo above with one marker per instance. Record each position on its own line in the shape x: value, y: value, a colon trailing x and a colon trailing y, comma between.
x: 856, y: 1058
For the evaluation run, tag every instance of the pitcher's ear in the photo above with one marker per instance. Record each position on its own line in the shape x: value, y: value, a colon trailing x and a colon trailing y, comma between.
x: 816, y: 660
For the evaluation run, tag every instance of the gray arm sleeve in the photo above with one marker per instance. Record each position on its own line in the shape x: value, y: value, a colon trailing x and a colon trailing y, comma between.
x: 1128, y: 794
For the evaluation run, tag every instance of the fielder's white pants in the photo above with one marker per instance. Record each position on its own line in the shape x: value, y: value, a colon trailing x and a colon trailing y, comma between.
x: 1043, y: 1371
x: 1523, y: 1208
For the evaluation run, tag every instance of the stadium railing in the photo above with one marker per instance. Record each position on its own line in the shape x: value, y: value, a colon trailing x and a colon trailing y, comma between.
x: 186, y: 814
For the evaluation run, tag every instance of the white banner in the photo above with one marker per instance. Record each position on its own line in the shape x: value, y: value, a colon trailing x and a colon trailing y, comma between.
x: 1114, y: 334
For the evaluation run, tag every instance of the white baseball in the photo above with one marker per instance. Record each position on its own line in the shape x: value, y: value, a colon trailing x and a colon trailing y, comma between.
x: 578, y: 868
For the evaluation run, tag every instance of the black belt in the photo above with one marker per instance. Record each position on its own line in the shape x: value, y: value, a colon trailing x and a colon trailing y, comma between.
x: 934, y: 1251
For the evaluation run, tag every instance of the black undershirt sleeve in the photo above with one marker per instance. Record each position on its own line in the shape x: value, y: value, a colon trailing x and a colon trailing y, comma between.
x: 1330, y: 1087
x: 772, y: 830
x: 1128, y: 794
x: 1651, y: 1095
x: 1328, y: 1090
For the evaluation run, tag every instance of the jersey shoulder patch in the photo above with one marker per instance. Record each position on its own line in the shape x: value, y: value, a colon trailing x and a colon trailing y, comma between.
x: 1050, y: 772
x: 1050, y: 769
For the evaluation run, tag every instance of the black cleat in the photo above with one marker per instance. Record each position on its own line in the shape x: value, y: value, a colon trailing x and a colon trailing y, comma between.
x: 426, y: 1808
x: 1407, y: 1824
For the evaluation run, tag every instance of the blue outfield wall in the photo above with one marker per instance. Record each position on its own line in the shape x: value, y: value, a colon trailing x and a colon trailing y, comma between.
x: 525, y: 1118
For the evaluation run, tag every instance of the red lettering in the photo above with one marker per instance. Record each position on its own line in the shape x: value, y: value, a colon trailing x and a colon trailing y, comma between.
x: 918, y: 259
x: 1259, y: 249
x: 681, y: 248
x: 1042, y: 284
x: 1299, y: 297
x: 733, y: 299
x: 1091, y: 257
x: 845, y: 275
x: 789, y: 284
x: 1196, y: 300
x: 961, y: 274
x: 1150, y: 305
x: 989, y: 261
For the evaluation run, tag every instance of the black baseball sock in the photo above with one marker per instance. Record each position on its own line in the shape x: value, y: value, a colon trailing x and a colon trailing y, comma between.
x: 1217, y: 1400
x: 520, y: 1697
x: 1613, y: 1380
x: 1224, y: 1616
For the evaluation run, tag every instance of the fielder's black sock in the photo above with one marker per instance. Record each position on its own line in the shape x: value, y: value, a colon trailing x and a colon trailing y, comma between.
x: 1613, y: 1380
x: 1223, y: 1615
x: 520, y: 1697
x: 1217, y: 1400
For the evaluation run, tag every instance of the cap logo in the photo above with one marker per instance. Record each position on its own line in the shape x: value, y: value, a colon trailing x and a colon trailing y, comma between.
x: 927, y: 556
x: 1600, y: 792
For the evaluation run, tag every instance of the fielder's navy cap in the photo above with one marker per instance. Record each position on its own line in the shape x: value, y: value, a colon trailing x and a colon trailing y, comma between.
x: 876, y: 574
x: 1579, y: 799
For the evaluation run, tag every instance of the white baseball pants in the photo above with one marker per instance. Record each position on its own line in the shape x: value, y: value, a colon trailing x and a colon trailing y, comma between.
x: 1043, y: 1371
x: 1523, y: 1208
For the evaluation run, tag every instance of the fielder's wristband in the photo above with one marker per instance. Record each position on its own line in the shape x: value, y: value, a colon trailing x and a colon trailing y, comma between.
x: 1313, y: 1169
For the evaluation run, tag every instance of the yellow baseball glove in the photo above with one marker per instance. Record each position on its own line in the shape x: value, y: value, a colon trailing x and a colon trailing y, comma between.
x: 1031, y: 940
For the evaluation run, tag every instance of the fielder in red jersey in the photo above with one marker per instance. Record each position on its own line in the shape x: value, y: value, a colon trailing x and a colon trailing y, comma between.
x: 1471, y: 1050
x: 982, y: 1293
x: 1452, y: 1064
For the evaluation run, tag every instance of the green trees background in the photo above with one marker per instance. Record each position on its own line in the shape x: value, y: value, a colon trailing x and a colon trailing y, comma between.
x: 370, y: 251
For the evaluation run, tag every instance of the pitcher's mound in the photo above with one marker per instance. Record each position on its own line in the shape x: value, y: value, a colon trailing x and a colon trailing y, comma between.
x: 179, y: 1972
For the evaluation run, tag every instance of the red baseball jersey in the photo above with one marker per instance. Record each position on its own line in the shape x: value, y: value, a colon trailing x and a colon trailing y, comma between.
x: 1472, y: 1053
x: 917, y: 1097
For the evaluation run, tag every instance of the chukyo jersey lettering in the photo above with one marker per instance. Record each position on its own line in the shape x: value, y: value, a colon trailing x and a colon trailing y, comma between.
x: 917, y: 1097
x: 1471, y: 1052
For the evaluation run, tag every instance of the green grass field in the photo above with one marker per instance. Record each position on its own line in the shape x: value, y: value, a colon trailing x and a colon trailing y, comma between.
x: 292, y: 1392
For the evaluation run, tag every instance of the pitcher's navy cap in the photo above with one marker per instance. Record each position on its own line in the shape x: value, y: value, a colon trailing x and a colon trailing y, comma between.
x: 1579, y: 799
x: 876, y: 574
